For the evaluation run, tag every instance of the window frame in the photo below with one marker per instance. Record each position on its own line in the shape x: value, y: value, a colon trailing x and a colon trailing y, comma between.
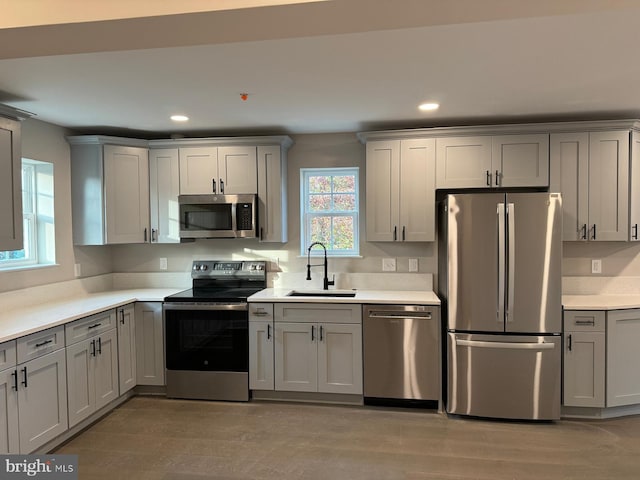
x: 31, y: 222
x: 306, y: 215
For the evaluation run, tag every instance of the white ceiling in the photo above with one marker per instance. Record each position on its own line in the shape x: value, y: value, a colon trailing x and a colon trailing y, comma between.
x: 329, y: 66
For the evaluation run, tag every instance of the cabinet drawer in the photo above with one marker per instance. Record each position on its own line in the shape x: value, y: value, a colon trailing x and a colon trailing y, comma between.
x: 8, y: 354
x: 90, y: 326
x: 325, y: 313
x: 261, y: 311
x: 40, y: 343
x: 584, y: 321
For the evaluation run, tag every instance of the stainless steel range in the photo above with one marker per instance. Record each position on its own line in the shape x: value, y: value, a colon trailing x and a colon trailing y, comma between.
x: 207, y: 331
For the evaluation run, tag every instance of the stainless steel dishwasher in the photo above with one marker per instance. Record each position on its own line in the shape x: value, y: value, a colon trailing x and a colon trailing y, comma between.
x: 401, y: 348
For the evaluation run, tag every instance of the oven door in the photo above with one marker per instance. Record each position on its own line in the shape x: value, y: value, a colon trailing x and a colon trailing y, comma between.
x: 207, y: 337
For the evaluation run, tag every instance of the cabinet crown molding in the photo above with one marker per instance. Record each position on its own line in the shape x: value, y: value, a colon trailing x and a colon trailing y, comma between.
x: 106, y: 140
x: 284, y: 141
x: 511, y: 129
x: 14, y: 113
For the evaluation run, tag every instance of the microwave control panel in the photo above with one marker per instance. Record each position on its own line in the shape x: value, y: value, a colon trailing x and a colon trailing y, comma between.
x: 244, y: 216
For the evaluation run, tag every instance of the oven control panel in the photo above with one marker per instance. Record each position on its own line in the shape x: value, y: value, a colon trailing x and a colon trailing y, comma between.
x: 225, y: 269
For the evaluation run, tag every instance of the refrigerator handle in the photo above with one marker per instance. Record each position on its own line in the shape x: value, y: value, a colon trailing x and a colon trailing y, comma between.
x: 511, y: 260
x: 501, y: 261
x: 505, y: 345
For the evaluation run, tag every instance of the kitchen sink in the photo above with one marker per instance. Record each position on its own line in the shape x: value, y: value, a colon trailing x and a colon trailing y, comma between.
x: 322, y: 293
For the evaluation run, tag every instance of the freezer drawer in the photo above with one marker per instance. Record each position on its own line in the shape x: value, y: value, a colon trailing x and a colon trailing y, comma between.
x: 504, y: 376
x: 401, y: 352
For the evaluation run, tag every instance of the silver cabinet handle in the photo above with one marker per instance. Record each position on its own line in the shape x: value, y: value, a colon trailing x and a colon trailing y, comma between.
x: 635, y: 232
x: 24, y: 382
x: 154, y: 235
x: 585, y: 322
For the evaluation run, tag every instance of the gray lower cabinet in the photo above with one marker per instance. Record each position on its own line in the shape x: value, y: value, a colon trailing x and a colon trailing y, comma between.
x: 126, y: 347
x: 149, y: 335
x: 92, y: 365
x: 623, y: 357
x: 261, y: 360
x: 584, y: 359
x: 318, y: 348
x: 9, y: 432
x: 41, y: 381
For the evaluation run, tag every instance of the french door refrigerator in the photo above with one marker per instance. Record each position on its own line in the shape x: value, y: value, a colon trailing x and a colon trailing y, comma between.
x: 499, y: 277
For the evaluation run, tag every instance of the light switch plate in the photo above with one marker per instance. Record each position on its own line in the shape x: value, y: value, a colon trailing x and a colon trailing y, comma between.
x: 163, y: 263
x: 388, y: 264
x: 413, y: 264
x: 596, y: 266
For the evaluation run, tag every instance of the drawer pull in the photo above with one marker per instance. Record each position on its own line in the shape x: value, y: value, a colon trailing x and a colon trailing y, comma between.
x: 260, y: 313
x: 94, y: 326
x: 24, y: 382
x: 15, y: 380
x: 46, y: 342
x: 585, y: 322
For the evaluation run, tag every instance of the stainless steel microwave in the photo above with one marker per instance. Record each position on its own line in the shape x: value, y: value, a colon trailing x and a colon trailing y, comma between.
x: 217, y: 216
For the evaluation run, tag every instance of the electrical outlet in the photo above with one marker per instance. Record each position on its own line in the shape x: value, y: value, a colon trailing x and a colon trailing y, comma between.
x: 413, y: 264
x: 596, y: 266
x: 163, y: 263
x: 388, y: 264
x: 77, y: 270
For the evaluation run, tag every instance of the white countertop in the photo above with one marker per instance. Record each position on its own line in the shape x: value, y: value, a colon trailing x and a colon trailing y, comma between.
x: 600, y: 302
x: 403, y: 297
x: 21, y: 321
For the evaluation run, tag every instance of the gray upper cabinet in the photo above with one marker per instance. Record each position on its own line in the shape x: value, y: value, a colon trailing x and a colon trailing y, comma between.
x: 272, y: 193
x: 492, y: 161
x: 110, y: 190
x: 218, y: 169
x: 591, y: 170
x: 634, y: 179
x: 400, y: 190
x: 164, y: 188
x: 10, y: 185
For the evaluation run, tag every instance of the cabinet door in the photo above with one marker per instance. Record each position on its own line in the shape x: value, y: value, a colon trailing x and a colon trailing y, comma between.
x: 106, y: 368
x: 9, y: 434
x: 520, y: 160
x: 164, y: 188
x: 296, y: 362
x: 126, y: 184
x: 340, y: 358
x: 272, y: 194
x: 198, y: 170
x: 609, y: 186
x: 623, y: 357
x: 126, y: 349
x: 417, y: 190
x: 463, y: 162
x: 383, y: 160
x: 634, y: 214
x: 584, y: 369
x: 10, y: 186
x: 570, y: 176
x: 81, y: 389
x: 261, y: 355
x: 42, y: 404
x: 149, y: 333
x: 237, y: 170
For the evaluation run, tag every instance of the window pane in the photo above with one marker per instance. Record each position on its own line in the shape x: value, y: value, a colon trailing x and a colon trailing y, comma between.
x: 319, y: 203
x: 319, y: 184
x: 343, y: 238
x: 344, y: 203
x: 344, y: 184
x: 321, y: 230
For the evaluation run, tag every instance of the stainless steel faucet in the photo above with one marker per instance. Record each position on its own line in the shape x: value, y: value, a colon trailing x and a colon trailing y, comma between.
x: 326, y: 281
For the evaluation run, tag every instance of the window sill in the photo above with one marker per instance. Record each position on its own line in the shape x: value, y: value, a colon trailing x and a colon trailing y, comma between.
x: 15, y: 268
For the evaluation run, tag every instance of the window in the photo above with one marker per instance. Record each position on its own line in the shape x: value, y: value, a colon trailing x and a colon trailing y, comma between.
x: 329, y: 210
x: 37, y: 218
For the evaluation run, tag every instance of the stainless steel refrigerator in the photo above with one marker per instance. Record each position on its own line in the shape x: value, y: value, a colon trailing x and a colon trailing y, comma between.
x: 499, y: 276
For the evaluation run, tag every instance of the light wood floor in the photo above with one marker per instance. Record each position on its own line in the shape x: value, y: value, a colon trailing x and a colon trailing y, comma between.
x: 156, y: 438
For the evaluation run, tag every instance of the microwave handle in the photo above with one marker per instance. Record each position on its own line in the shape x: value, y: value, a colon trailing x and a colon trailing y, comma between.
x: 221, y: 187
x: 213, y: 181
x: 186, y: 220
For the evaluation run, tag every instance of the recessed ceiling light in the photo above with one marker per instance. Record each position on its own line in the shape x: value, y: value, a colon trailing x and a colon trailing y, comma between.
x: 428, y: 107
x: 179, y: 118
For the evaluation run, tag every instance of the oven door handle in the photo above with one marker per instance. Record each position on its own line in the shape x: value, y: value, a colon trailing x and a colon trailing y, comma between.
x: 205, y: 306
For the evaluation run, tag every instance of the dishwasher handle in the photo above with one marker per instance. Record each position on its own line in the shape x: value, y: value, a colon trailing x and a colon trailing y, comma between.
x: 388, y: 316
